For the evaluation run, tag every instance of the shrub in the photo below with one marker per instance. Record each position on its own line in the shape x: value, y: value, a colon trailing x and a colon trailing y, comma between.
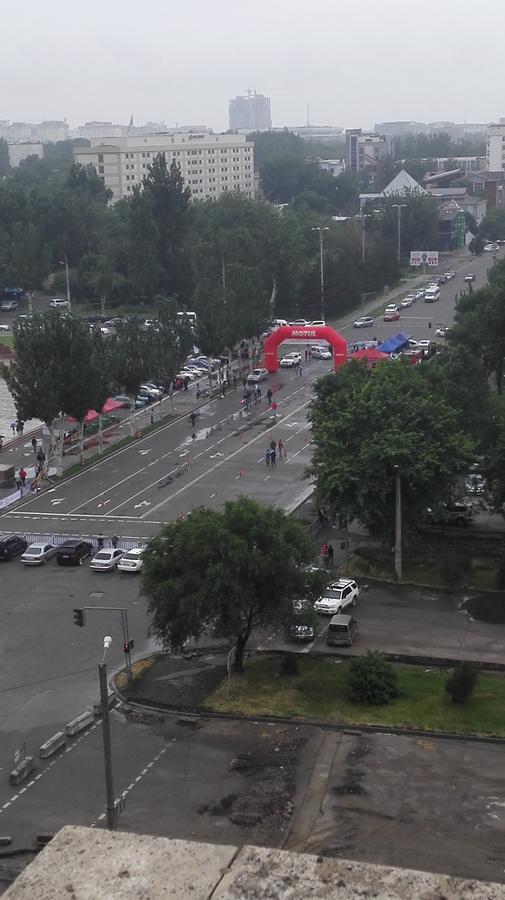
x: 461, y: 682
x: 454, y: 569
x: 371, y: 679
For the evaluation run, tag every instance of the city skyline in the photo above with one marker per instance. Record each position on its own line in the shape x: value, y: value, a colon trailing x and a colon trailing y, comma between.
x: 163, y: 67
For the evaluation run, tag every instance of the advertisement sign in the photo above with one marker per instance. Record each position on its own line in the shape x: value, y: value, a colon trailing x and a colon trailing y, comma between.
x: 424, y: 257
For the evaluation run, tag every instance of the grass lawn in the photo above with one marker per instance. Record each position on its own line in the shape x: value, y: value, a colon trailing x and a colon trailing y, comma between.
x: 482, y: 575
x: 7, y: 339
x: 319, y: 692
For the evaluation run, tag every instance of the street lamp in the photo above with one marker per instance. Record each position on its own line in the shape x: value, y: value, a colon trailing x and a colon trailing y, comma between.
x: 321, y: 229
x: 398, y: 524
x: 107, y: 752
x: 399, y: 207
x: 65, y: 263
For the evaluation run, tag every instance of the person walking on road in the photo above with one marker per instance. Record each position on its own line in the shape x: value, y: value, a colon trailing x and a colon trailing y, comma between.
x: 267, y: 456
x: 281, y: 448
x: 269, y: 395
x: 273, y: 445
x: 324, y: 553
x: 300, y: 369
x: 22, y: 475
x: 13, y: 428
x: 273, y: 455
x: 34, y: 444
x: 193, y: 418
x: 331, y: 554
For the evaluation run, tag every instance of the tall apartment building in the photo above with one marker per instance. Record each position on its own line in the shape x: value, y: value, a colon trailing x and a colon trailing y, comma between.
x: 22, y: 150
x: 99, y: 131
x: 495, y: 148
x: 250, y: 112
x: 211, y: 164
x: 365, y: 150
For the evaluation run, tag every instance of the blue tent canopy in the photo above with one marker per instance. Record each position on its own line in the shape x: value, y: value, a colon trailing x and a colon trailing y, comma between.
x: 393, y: 344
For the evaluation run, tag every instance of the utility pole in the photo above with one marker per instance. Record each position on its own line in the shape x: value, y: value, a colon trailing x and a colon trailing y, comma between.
x: 65, y: 263
x: 321, y: 229
x: 399, y: 207
x: 362, y: 238
x: 107, y: 750
x: 398, y: 524
x: 223, y: 277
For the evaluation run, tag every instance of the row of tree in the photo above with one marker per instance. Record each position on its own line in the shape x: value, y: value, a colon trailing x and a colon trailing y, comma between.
x: 63, y: 368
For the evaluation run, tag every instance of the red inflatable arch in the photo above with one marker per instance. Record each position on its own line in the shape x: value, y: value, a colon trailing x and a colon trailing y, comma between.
x: 308, y: 334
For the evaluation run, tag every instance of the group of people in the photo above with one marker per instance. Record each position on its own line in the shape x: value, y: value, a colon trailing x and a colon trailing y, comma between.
x: 327, y: 554
x: 275, y: 448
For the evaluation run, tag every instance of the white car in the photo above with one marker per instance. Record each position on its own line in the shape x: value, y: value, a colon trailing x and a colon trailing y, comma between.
x: 470, y: 277
x: 491, y: 248
x: 290, y: 360
x: 442, y: 331
x: 257, y: 375
x: 38, y: 554
x: 320, y: 353
x: 407, y: 301
x: 449, y: 275
x: 189, y: 373
x: 419, y: 293
x: 318, y: 322
x: 151, y: 389
x: 56, y: 303
x: 424, y: 345
x: 106, y: 559
x: 131, y: 561
x: 337, y: 596
x: 301, y: 323
x: 5, y: 327
x: 363, y: 322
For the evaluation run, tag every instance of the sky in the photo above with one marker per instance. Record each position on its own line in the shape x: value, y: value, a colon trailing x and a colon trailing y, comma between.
x: 179, y: 62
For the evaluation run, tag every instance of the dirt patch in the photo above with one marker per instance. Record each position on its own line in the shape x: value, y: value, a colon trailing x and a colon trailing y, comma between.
x: 180, y: 682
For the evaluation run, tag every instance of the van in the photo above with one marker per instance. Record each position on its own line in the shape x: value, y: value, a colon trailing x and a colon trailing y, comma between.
x: 432, y: 295
x: 342, y: 630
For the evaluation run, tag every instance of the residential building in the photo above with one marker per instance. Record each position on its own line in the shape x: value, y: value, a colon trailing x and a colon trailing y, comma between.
x: 402, y: 184
x: 211, y: 164
x: 470, y: 203
x: 334, y: 167
x: 365, y: 150
x: 250, y: 112
x: 491, y: 185
x: 99, y: 131
x: 50, y: 132
x: 495, y: 148
x: 24, y: 149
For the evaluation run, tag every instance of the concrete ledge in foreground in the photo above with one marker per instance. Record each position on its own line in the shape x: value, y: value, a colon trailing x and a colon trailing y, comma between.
x: 93, y: 864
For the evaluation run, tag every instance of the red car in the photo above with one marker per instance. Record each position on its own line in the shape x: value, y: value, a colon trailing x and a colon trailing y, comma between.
x: 391, y: 315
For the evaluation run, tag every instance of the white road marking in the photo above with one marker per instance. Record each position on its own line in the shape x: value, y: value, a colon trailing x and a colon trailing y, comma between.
x: 142, y: 503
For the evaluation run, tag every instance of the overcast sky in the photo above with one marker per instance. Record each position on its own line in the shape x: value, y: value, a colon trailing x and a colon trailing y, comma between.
x: 181, y: 60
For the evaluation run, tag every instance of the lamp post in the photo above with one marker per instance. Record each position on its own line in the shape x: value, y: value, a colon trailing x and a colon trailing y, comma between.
x: 321, y: 229
x: 399, y: 207
x: 65, y: 263
x: 398, y: 523
x: 107, y: 752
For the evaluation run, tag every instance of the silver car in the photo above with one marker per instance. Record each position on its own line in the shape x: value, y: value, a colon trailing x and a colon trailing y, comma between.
x: 38, y: 554
x: 106, y: 559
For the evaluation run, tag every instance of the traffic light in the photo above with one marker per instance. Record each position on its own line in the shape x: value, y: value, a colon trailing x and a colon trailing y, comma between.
x: 79, y: 617
x: 128, y: 645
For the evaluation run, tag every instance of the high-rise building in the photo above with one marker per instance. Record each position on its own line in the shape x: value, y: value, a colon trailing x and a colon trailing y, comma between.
x: 250, y: 112
x: 365, y: 150
x: 495, y: 148
x: 210, y: 164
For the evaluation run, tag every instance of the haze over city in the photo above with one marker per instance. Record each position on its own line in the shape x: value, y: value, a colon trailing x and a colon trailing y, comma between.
x: 181, y: 63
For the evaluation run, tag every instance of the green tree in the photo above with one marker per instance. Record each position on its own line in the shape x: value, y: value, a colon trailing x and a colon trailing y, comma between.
x: 419, y: 221
x: 492, y: 227
x: 85, y: 385
x: 171, y: 342
x: 462, y: 682
x: 367, y: 423
x: 229, y: 572
x: 371, y: 679
x: 5, y: 166
x: 170, y: 211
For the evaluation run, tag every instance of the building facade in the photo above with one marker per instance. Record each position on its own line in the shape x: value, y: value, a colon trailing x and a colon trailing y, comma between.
x: 365, y: 150
x: 99, y: 131
x: 24, y: 149
x: 211, y: 164
x: 333, y: 167
x: 495, y: 148
x: 250, y: 112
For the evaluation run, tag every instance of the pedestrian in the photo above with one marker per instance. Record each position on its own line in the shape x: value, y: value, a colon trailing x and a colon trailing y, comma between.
x: 273, y: 445
x: 300, y: 369
x: 273, y: 456
x: 306, y: 354
x: 19, y: 483
x: 197, y: 390
x: 13, y: 427
x: 1, y: 442
x: 280, y: 447
x: 41, y: 456
x: 22, y: 475
x: 267, y: 456
x: 269, y: 395
x: 34, y: 444
x: 186, y: 382
x: 324, y: 553
x: 152, y: 417
x: 114, y: 541
x: 193, y: 418
x: 193, y: 436
x: 259, y: 392
x: 331, y: 554
x: 100, y: 541
x: 234, y: 381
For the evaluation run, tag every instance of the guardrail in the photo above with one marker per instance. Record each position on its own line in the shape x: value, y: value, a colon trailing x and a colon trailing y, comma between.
x: 123, y: 543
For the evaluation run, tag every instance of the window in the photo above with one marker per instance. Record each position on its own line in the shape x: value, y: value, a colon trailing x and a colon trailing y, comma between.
x: 101, y: 169
x: 100, y: 157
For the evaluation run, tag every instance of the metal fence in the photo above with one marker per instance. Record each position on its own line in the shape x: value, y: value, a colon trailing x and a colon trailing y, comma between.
x: 123, y: 543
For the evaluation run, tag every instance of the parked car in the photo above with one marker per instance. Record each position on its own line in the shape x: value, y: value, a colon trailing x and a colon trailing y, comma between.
x: 419, y: 293
x: 363, y: 322
x: 320, y: 352
x: 131, y: 561
x: 491, y: 248
x: 301, y: 628
x: 106, y: 559
x: 8, y: 305
x: 151, y: 389
x: 408, y: 301
x: 57, y: 303
x: 38, y: 554
x: 424, y: 345
x: 458, y: 513
x: 342, y: 631
x: 290, y: 360
x: 432, y: 295
x: 72, y: 552
x: 95, y: 318
x: 442, y: 331
x: 300, y: 323
x: 470, y: 277
x: 391, y: 315
x: 11, y: 545
x: 123, y: 399
x: 257, y: 375
x: 449, y: 275
x: 318, y: 322
x: 5, y: 327
x: 337, y: 596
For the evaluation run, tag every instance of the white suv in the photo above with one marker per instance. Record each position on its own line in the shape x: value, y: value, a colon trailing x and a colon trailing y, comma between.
x: 58, y: 304
x: 290, y: 360
x: 337, y: 596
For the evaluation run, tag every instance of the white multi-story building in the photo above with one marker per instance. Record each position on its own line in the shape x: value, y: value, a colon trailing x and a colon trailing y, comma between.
x: 99, y: 131
x: 211, y: 164
x: 24, y: 149
x: 50, y: 132
x: 495, y: 148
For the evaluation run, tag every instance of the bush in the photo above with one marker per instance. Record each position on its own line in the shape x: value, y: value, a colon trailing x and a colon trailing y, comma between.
x: 461, y: 683
x: 289, y: 665
x: 371, y: 679
x: 454, y: 569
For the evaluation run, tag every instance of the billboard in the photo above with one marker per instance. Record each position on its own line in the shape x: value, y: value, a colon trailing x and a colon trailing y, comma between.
x: 424, y: 257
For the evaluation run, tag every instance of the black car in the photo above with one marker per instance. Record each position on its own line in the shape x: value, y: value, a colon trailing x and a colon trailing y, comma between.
x: 11, y: 545
x: 72, y: 553
x: 96, y: 318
